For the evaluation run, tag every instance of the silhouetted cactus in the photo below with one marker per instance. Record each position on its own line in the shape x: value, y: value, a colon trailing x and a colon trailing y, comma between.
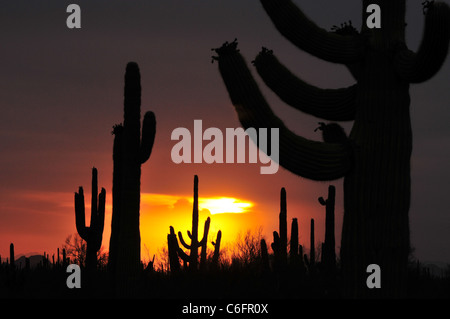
x: 216, y: 254
x: 295, y: 250
x: 192, y: 258
x: 11, y: 256
x: 376, y: 161
x: 312, y: 249
x: 264, y: 257
x: 279, y: 245
x: 328, y: 251
x: 94, y: 233
x: 130, y: 151
x: 172, y: 244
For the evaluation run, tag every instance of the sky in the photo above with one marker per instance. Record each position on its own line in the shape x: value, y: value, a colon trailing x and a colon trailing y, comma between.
x: 61, y: 92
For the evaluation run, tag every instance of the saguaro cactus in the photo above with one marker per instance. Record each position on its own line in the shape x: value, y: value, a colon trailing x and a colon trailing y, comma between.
x: 93, y: 234
x: 130, y: 151
x: 328, y: 252
x: 312, y: 248
x: 216, y: 244
x: 172, y: 244
x: 11, y: 256
x: 192, y: 258
x: 279, y: 245
x: 375, y: 161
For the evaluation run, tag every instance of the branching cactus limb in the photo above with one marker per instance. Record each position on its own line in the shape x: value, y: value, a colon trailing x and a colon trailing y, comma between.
x: 310, y: 159
x: 94, y: 233
x: 306, y: 35
x: 328, y: 104
x: 416, y: 67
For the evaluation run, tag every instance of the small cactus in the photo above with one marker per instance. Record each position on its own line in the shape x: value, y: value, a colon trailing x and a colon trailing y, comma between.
x: 11, y: 256
x: 328, y: 251
x: 216, y: 255
x: 279, y: 245
x: 94, y: 233
x: 172, y: 244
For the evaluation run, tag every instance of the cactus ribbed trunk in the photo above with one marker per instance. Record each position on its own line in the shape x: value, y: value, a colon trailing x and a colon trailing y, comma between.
x: 129, y: 253
x: 377, y: 190
x: 375, y: 160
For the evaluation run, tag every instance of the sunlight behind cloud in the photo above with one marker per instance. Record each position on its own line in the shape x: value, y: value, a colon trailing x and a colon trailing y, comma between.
x: 221, y: 205
x: 215, y: 205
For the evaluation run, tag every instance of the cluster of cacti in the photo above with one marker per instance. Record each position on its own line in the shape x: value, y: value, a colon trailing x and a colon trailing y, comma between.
x: 191, y: 261
x: 130, y: 151
x: 375, y: 161
x: 297, y: 261
x: 94, y: 233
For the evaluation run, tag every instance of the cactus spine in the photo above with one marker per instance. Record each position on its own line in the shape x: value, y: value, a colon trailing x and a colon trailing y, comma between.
x: 94, y: 233
x: 375, y: 161
x: 130, y: 151
x: 192, y: 258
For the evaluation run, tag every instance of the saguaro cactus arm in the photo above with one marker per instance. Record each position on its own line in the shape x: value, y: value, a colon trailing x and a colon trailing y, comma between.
x: 80, y: 220
x: 310, y: 159
x: 292, y: 23
x: 204, y: 239
x: 426, y: 62
x: 328, y: 104
x: 148, y: 136
x: 180, y: 236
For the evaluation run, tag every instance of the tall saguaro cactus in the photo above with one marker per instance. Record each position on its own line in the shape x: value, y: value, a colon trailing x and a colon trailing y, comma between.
x: 130, y: 151
x: 192, y: 258
x: 93, y: 233
x: 375, y: 160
